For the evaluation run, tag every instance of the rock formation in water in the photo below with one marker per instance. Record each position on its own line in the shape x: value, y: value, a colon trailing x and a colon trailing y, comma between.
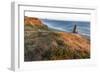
x: 75, y: 29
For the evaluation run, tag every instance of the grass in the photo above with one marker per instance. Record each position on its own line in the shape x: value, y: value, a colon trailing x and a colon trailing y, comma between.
x: 50, y: 47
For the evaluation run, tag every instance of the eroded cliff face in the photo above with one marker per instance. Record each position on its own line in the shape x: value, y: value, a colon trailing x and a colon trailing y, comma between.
x: 32, y: 21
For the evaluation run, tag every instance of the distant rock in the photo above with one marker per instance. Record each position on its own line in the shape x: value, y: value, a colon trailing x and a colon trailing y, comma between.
x: 75, y: 30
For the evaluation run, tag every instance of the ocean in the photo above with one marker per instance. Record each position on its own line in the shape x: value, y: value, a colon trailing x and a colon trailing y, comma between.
x: 83, y: 27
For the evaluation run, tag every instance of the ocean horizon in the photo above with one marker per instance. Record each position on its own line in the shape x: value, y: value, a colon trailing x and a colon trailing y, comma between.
x: 83, y: 27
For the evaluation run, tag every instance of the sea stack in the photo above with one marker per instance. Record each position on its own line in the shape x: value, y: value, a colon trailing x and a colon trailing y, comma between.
x: 75, y: 29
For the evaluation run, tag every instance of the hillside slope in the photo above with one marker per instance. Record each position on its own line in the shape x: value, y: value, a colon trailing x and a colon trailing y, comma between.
x: 43, y: 44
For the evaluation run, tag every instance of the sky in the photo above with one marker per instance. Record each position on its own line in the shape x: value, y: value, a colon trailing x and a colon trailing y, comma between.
x: 59, y: 16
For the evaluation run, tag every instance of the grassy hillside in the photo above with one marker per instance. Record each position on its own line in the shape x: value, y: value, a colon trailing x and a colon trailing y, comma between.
x: 41, y: 43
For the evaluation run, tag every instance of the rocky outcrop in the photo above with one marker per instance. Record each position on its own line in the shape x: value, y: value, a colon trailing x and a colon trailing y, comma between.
x: 32, y: 21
